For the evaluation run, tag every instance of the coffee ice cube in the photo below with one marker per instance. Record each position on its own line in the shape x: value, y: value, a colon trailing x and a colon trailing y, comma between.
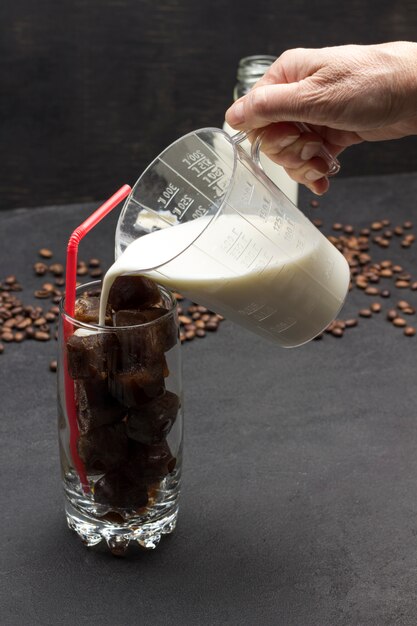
x: 151, y: 339
x: 133, y: 292
x: 103, y: 448
x: 95, y: 405
x: 134, y: 387
x: 87, y: 309
x: 151, y: 462
x: 119, y: 488
x: 87, y: 353
x: 152, y: 422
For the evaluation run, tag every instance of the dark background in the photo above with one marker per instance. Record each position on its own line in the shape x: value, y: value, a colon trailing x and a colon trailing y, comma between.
x: 91, y: 91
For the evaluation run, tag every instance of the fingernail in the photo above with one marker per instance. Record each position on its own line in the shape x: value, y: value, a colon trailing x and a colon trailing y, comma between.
x: 236, y: 114
x: 313, y: 175
x: 310, y: 150
x: 287, y: 141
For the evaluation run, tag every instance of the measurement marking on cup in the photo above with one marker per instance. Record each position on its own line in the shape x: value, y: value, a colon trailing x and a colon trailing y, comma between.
x: 206, y: 170
x: 216, y: 180
x: 195, y: 162
x: 173, y: 196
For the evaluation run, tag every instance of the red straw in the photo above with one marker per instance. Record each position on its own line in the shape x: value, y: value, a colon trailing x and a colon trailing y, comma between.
x: 71, y: 278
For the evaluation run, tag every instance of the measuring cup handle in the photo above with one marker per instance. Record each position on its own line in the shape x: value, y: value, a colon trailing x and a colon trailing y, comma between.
x: 332, y: 163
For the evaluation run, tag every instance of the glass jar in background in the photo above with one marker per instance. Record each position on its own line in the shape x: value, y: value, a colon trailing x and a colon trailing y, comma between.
x: 250, y: 70
x: 120, y: 422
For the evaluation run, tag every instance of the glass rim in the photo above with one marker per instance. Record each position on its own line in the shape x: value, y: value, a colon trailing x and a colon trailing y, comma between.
x: 224, y: 199
x: 97, y: 327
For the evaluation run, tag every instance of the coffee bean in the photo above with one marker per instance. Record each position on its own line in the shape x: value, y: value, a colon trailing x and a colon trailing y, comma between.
x: 376, y: 226
x: 402, y: 284
x: 391, y: 314
x: 200, y: 332
x: 30, y: 332
x: 189, y: 335
x: 376, y: 307
x: 405, y: 243
x: 399, y: 321
x: 337, y: 226
x: 40, y: 321
x: 40, y: 268
x: 54, y: 309
x: 409, y: 331
x: 41, y: 335
x: 410, y: 310
x: 200, y: 324
x: 42, y: 293
x: 211, y: 326
x: 386, y: 273
x: 384, y: 243
x: 57, y: 269
x: 348, y: 229
x: 53, y: 365
x: 96, y: 272
x: 398, y: 230
x: 337, y: 332
x: 385, y: 293
x: 351, y: 323
x: 365, y: 313
x: 184, y: 319
x: 50, y: 317
x: 372, y: 291
x: 364, y: 232
x: 45, y: 253
x: 82, y: 270
x: 317, y: 222
x: 7, y: 336
x: 19, y: 336
x: 361, y: 282
x: 397, y: 269
x: 24, y: 323
x: 59, y: 282
x: 314, y: 204
x: 408, y: 224
x: 403, y: 304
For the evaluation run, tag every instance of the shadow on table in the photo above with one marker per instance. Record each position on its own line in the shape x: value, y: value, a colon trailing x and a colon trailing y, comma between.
x: 208, y: 571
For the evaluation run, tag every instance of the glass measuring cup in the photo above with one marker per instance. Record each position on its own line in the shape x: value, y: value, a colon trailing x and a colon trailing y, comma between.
x: 238, y: 246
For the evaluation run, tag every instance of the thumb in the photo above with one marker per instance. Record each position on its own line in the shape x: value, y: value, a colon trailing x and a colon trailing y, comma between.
x: 263, y: 105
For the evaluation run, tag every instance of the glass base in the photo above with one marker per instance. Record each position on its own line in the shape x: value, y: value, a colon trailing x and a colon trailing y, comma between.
x: 119, y: 535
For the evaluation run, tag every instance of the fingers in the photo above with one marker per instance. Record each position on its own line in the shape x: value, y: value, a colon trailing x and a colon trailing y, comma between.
x: 266, y: 104
x: 299, y: 153
x: 312, y: 174
x: 287, y: 145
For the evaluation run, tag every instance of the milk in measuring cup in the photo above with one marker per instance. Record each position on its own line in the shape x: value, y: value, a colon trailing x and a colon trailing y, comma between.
x: 289, y: 297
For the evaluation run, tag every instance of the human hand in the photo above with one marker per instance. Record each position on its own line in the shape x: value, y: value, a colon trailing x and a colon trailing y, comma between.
x: 346, y: 94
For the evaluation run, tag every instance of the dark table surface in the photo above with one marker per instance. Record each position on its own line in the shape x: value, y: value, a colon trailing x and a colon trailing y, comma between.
x: 299, y: 500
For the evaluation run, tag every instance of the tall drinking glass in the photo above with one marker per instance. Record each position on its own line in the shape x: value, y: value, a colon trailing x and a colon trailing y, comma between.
x: 120, y: 425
